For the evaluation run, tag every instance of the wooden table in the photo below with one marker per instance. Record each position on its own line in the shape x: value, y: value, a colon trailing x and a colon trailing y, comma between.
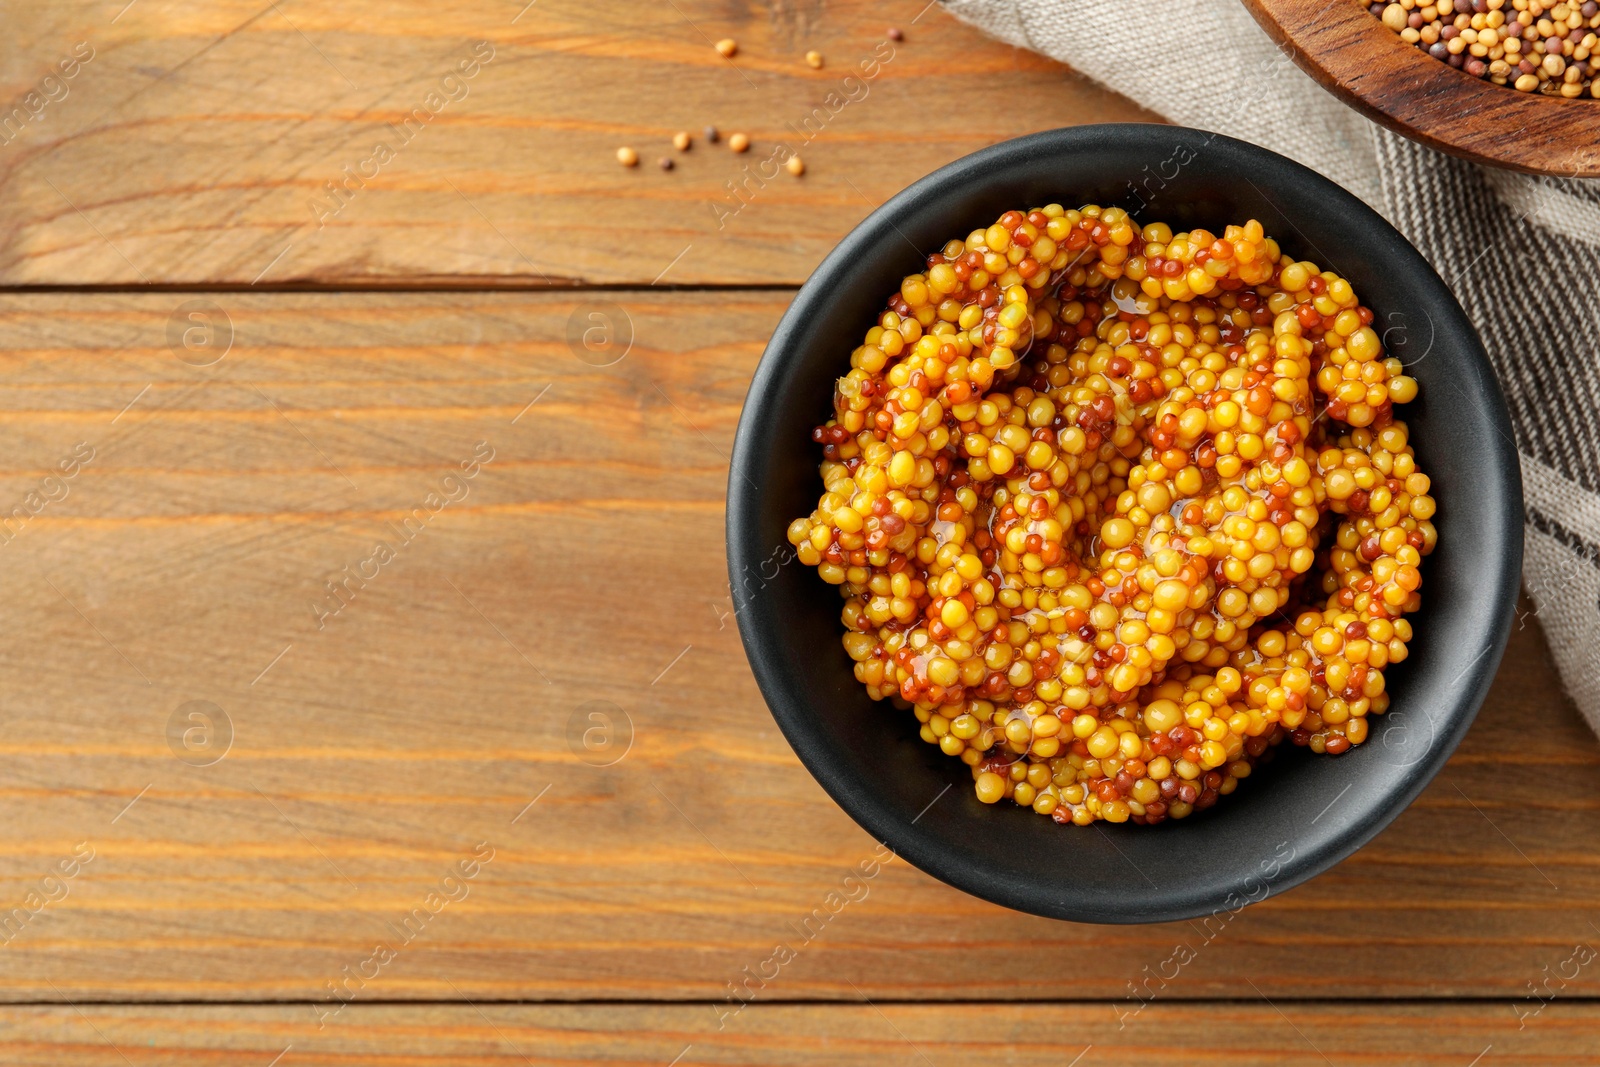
x: 274, y: 777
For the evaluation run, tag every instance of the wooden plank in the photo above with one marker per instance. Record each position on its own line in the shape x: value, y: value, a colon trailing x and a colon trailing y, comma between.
x: 583, y: 562
x: 1256, y: 1034
x: 196, y: 143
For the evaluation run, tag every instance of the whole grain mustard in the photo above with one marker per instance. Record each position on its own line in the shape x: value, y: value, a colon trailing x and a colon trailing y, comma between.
x: 1115, y: 511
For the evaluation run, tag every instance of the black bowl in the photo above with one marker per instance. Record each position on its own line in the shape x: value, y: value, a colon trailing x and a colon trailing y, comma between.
x: 1301, y: 813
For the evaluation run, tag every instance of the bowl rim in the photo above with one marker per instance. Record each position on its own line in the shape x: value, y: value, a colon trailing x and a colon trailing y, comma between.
x: 759, y: 633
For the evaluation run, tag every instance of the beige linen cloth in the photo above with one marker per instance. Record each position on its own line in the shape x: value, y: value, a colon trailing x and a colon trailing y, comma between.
x: 1521, y: 253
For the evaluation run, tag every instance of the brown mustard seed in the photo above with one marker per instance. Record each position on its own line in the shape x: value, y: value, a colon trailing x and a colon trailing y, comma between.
x: 728, y: 47
x: 1534, y: 46
x: 712, y: 136
x: 665, y: 163
x: 681, y: 141
x: 738, y: 142
x: 814, y: 60
x: 795, y: 165
x: 627, y: 157
x: 895, y: 34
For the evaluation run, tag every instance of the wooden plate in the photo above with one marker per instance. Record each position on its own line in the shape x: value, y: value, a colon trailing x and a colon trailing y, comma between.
x: 1366, y: 64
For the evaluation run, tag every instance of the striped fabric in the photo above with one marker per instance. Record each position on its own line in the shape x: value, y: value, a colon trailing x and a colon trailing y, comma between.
x: 1521, y: 253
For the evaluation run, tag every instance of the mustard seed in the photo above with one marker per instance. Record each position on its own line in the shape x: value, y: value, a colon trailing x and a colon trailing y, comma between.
x: 728, y: 47
x: 738, y: 142
x: 794, y: 165
x: 627, y: 157
x: 711, y: 134
x: 1533, y: 46
x: 665, y: 163
x: 814, y: 60
x: 681, y: 141
x: 895, y: 34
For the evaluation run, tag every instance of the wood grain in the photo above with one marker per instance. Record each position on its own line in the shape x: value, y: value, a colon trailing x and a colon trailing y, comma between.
x: 195, y: 146
x: 1253, y: 1034
x: 1366, y: 65
x: 584, y: 562
x: 182, y: 474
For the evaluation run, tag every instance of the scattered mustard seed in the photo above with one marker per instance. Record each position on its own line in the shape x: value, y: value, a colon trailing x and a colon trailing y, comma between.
x: 738, y: 142
x: 895, y: 34
x: 814, y: 60
x: 794, y: 165
x: 712, y: 136
x: 627, y: 157
x: 728, y: 46
x: 665, y: 163
x: 681, y: 141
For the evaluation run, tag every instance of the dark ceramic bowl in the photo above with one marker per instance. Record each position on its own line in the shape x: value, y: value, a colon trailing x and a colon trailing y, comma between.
x: 1295, y: 817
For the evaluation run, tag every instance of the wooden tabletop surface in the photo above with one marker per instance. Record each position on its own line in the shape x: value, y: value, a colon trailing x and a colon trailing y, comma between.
x: 328, y: 532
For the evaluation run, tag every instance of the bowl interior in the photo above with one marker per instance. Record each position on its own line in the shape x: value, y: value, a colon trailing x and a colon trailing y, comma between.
x: 1294, y: 817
